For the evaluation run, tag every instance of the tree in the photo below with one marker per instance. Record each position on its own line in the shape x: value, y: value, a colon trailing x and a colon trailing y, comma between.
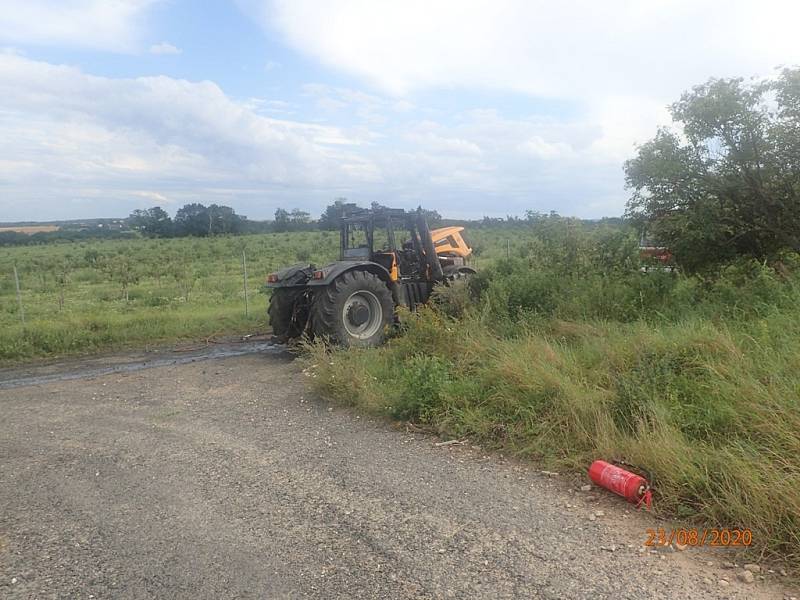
x: 728, y: 183
x: 62, y: 269
x: 184, y: 274
x: 151, y: 222
x: 124, y: 269
x: 329, y: 220
x: 223, y: 219
x: 299, y: 218
x: 433, y: 218
x: 192, y: 219
x: 281, y: 220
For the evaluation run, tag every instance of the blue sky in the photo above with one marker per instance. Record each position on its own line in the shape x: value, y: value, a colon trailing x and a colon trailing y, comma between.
x: 471, y: 107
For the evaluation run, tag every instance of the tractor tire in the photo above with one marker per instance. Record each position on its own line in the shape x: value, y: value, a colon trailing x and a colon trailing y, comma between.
x: 353, y: 311
x: 282, y: 315
x: 459, y: 273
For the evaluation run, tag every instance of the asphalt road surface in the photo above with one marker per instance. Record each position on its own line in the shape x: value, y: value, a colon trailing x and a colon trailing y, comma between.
x: 227, y: 478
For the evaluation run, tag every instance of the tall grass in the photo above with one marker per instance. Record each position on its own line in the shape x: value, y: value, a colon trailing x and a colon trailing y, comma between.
x: 694, y: 381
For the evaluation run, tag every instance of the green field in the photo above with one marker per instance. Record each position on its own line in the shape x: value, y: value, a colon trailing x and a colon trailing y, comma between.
x: 74, y: 294
x: 560, y: 350
x: 96, y: 295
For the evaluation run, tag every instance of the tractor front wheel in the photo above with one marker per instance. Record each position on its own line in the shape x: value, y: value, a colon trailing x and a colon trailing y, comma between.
x: 354, y: 310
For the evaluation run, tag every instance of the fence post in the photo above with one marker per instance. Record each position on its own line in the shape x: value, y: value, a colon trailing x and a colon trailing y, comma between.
x: 19, y: 296
x: 244, y: 271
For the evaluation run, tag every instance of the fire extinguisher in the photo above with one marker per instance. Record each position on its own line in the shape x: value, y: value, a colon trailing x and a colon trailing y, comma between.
x: 634, y: 488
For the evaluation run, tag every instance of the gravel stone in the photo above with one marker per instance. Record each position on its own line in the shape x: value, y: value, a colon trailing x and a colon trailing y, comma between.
x: 217, y: 482
x: 745, y: 576
x: 752, y: 567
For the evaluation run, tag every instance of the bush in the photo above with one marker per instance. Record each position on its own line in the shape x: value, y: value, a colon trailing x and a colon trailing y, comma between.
x: 691, y: 379
x: 422, y: 386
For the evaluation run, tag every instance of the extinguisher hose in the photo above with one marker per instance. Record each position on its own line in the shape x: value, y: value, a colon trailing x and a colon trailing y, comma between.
x: 646, y: 498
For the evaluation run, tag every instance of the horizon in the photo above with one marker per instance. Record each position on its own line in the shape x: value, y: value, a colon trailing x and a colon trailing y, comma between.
x: 490, y: 108
x: 313, y: 217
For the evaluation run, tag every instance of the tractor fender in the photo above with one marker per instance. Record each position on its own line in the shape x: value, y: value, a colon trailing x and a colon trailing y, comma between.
x: 454, y: 269
x: 334, y: 269
x: 294, y: 276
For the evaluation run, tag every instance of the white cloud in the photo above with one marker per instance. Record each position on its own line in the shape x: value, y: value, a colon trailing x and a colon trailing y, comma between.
x: 607, y: 71
x: 572, y: 49
x: 85, y: 133
x: 101, y: 24
x: 164, y: 48
x: 540, y: 148
x: 71, y: 141
x: 154, y: 197
x: 620, y: 61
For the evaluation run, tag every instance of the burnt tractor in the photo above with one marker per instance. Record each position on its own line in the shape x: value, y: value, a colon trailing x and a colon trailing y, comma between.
x: 388, y: 258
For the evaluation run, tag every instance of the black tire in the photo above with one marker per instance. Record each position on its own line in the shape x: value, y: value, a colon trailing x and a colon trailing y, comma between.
x: 284, y: 318
x: 456, y: 273
x: 354, y: 310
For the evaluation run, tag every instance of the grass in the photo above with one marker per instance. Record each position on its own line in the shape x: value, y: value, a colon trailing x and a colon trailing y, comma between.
x: 74, y: 294
x: 697, y: 387
x: 74, y: 299
x: 79, y: 334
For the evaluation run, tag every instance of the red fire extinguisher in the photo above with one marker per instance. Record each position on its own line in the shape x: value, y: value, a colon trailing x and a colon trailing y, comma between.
x: 632, y: 487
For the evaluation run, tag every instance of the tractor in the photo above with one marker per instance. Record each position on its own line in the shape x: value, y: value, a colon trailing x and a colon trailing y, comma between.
x: 387, y: 258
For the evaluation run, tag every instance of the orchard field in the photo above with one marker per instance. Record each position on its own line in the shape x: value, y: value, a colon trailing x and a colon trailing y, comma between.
x: 87, y: 296
x: 100, y: 294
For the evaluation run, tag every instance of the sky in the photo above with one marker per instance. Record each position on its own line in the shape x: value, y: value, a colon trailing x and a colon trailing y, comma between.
x: 470, y: 107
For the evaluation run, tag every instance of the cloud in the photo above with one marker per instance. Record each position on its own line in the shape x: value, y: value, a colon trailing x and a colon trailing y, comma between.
x: 164, y: 48
x: 67, y: 134
x: 154, y: 197
x: 606, y: 70
x: 578, y: 48
x: 75, y: 144
x: 539, y: 148
x: 97, y: 24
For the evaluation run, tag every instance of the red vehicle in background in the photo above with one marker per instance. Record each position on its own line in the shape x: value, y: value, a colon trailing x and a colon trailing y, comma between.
x: 654, y: 256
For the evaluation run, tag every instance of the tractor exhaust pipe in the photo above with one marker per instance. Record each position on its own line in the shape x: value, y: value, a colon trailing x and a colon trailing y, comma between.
x: 427, y: 243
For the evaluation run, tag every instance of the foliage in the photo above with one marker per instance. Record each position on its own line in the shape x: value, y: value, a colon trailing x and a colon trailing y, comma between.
x: 329, y: 220
x: 14, y: 238
x: 560, y: 349
x: 727, y: 184
x: 153, y: 222
x: 567, y: 353
x: 97, y: 294
x: 198, y: 220
x: 182, y: 277
x: 294, y: 220
x: 707, y: 411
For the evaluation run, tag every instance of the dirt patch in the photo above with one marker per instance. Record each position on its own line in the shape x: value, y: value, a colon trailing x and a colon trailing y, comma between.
x: 226, y: 478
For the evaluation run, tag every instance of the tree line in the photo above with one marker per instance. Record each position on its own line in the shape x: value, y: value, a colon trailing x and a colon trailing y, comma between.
x: 198, y: 220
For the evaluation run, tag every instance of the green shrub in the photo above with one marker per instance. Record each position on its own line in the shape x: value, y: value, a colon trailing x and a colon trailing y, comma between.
x: 421, y: 387
x: 694, y: 380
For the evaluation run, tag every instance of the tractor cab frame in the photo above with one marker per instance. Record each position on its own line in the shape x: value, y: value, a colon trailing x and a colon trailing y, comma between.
x: 352, y: 299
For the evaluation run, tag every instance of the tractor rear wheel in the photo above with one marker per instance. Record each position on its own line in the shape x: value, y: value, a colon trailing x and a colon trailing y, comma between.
x: 354, y: 310
x: 286, y: 314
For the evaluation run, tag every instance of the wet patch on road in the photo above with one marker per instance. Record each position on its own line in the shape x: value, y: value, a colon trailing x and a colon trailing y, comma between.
x: 72, y: 370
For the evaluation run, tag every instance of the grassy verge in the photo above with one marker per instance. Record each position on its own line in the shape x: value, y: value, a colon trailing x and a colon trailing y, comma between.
x: 83, y: 334
x: 708, y: 411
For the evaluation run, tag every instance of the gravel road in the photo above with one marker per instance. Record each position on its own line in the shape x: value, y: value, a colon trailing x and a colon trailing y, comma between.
x: 226, y: 478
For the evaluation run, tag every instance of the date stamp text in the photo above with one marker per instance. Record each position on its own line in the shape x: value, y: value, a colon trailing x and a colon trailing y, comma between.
x: 699, y: 537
